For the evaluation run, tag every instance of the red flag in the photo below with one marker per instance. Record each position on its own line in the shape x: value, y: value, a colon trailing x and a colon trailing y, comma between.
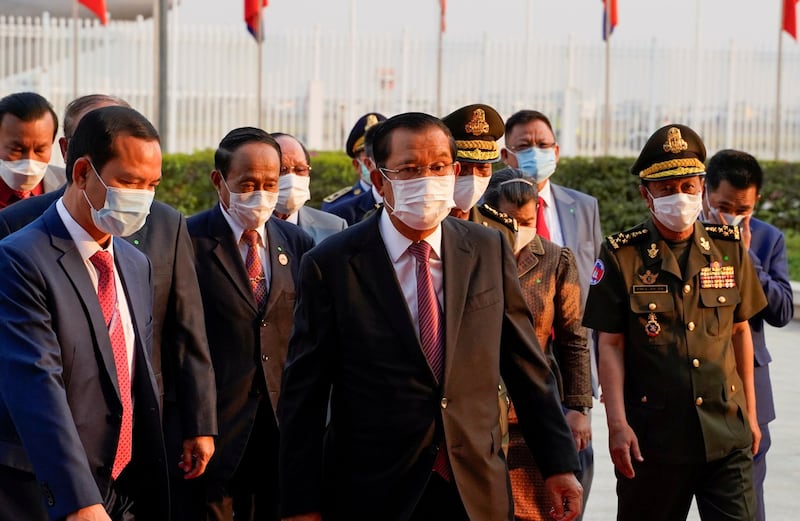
x: 443, y: 13
x: 609, y: 17
x: 252, y: 15
x: 98, y: 7
x: 790, y: 17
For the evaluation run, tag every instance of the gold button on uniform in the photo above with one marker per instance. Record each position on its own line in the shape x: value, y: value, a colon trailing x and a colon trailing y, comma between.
x: 444, y: 403
x: 733, y: 388
x: 696, y: 362
x: 699, y: 401
x: 690, y: 326
x: 687, y: 288
x: 651, y: 306
x: 644, y: 399
x: 721, y: 299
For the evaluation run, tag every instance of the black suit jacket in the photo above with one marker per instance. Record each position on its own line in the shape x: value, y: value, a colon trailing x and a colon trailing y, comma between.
x: 248, y: 345
x: 60, y: 410
x: 354, y: 340
x: 180, y: 356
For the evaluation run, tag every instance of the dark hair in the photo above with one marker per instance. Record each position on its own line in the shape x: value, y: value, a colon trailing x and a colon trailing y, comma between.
x: 237, y: 138
x: 78, y: 106
x: 276, y: 135
x: 526, y: 116
x: 512, y: 185
x: 28, y: 106
x: 382, y: 136
x: 97, y: 130
x: 739, y: 168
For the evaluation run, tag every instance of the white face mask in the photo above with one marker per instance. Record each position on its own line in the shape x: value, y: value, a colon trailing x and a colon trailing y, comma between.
x: 251, y: 210
x: 714, y: 215
x: 125, y: 209
x: 677, y: 212
x: 424, y: 202
x: 293, y: 192
x: 22, y: 175
x: 525, y: 235
x: 468, y: 190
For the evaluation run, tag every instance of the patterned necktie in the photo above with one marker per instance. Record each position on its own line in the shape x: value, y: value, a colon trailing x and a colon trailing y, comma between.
x: 255, y: 272
x: 430, y: 334
x: 541, y: 223
x: 107, y: 295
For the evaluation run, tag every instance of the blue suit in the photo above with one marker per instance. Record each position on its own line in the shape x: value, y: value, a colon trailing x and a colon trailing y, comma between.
x: 768, y: 253
x: 353, y: 209
x: 60, y: 410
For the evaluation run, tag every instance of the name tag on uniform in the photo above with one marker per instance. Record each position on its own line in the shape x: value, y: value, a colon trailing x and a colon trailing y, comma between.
x: 650, y: 288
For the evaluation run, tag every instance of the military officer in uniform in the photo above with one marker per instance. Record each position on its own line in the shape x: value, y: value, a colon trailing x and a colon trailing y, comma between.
x: 476, y: 129
x: 670, y: 300
x: 351, y: 203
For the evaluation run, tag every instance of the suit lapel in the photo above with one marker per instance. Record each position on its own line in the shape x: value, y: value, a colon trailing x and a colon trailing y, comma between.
x: 373, y: 268
x: 529, y: 256
x: 280, y: 260
x: 458, y: 258
x: 75, y: 270
x: 565, y: 208
x: 226, y: 251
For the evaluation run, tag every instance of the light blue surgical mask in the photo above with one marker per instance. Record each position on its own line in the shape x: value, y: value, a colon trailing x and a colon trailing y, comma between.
x: 538, y: 163
x: 364, y: 174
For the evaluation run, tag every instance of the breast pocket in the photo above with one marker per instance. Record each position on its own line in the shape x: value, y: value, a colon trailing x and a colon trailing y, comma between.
x: 482, y: 300
x: 717, y: 306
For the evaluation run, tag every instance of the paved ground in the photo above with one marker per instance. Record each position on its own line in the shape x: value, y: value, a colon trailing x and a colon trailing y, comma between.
x: 783, y: 459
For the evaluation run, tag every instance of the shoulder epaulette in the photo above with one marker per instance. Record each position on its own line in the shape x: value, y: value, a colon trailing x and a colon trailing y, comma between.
x: 723, y: 231
x: 498, y: 216
x: 635, y: 234
x: 337, y: 194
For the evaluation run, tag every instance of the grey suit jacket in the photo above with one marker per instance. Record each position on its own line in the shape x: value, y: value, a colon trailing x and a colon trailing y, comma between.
x: 318, y: 224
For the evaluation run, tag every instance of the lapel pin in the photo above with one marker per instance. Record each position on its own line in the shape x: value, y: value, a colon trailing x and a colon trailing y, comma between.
x: 283, y: 258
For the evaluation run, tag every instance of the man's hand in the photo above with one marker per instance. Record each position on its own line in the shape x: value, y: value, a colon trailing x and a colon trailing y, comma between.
x: 623, y: 444
x: 566, y: 496
x: 196, y: 454
x: 581, y: 428
x: 312, y: 516
x: 756, y: 435
x: 91, y: 513
x: 746, y: 233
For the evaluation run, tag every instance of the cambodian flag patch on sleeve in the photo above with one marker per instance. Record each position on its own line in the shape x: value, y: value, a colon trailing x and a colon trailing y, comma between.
x: 597, y: 272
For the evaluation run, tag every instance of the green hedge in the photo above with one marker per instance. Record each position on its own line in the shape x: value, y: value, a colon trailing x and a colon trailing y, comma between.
x: 186, y: 186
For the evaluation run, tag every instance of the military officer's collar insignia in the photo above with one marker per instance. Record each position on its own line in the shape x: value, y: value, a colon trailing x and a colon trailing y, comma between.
x: 477, y: 125
x: 675, y: 142
x: 648, y: 277
x: 652, y: 251
x: 705, y: 244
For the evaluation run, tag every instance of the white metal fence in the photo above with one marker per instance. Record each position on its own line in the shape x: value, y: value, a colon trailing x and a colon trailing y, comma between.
x: 317, y: 83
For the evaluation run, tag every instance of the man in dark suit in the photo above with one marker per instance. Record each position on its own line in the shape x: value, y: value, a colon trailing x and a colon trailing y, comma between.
x: 294, y: 191
x: 247, y: 272
x: 180, y: 358
x: 733, y: 187
x: 414, y: 430
x: 79, y: 411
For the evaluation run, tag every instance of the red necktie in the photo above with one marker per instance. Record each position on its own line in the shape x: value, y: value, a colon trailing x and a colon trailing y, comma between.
x: 431, y: 335
x: 541, y: 223
x: 258, y: 283
x: 107, y: 295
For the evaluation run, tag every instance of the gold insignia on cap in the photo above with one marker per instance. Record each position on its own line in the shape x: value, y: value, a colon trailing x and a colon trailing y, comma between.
x: 675, y: 143
x: 652, y: 251
x: 372, y: 119
x: 477, y: 125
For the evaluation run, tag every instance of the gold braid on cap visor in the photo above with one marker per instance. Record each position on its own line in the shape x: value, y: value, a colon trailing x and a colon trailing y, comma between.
x: 358, y: 145
x: 673, y: 168
x: 477, y: 150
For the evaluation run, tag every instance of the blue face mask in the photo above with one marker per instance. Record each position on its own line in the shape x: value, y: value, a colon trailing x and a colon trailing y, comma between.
x: 364, y: 174
x: 539, y: 163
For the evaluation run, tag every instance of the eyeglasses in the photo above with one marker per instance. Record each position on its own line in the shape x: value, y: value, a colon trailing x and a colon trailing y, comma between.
x: 301, y: 170
x: 411, y: 172
x: 524, y: 148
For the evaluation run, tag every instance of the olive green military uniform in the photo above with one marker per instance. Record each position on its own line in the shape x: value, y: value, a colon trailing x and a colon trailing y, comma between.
x: 487, y: 216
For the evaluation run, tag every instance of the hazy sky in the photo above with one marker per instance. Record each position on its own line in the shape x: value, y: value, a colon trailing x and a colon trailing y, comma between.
x: 748, y: 23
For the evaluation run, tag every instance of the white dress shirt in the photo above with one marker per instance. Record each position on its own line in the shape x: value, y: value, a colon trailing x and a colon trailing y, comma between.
x: 87, y: 247
x: 551, y: 215
x: 405, y: 265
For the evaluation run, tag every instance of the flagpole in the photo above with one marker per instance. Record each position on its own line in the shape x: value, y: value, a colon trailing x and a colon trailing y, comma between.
x: 778, y: 87
x: 74, y: 49
x: 439, y: 62
x: 607, y: 111
x: 259, y: 33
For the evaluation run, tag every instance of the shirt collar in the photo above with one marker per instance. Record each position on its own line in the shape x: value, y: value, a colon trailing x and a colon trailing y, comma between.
x: 238, y: 230
x: 547, y: 194
x: 397, y: 243
x: 84, y: 242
